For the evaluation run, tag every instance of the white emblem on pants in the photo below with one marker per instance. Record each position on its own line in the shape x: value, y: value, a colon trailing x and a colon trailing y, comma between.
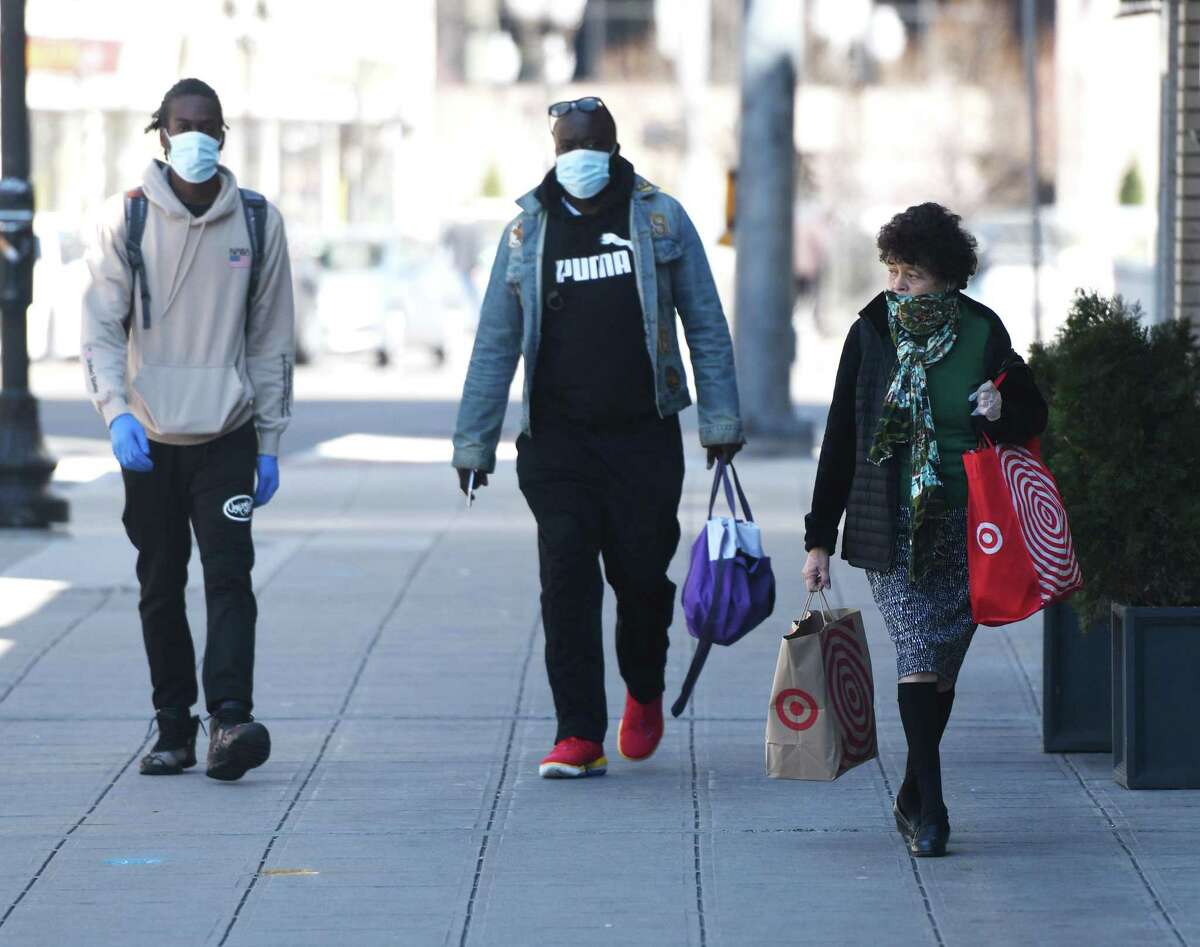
x: 239, y: 508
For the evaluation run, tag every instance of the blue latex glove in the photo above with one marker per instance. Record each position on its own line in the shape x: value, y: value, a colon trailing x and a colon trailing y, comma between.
x: 130, y: 445
x: 268, y: 479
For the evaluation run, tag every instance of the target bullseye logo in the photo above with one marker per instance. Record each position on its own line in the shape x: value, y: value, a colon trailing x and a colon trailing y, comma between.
x: 796, y: 709
x: 1043, y: 522
x: 850, y: 690
x: 989, y: 538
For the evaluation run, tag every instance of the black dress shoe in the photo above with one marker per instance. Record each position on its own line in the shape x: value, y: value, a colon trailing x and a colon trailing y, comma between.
x: 931, y: 838
x: 904, y: 825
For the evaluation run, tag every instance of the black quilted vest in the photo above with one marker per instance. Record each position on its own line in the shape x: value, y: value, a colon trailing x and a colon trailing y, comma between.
x: 868, y: 538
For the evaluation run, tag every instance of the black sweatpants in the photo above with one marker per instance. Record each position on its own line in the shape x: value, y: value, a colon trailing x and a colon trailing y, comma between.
x: 209, y: 488
x: 612, y: 495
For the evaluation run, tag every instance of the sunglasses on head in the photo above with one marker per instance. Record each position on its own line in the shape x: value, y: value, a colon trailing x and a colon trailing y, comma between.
x: 589, y: 103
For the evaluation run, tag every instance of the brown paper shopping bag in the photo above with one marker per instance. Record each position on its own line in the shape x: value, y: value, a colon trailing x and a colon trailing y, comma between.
x: 821, y: 720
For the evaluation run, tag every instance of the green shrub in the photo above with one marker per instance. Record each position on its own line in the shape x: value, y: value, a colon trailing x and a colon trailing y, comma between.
x: 1132, y: 191
x: 1123, y: 442
x: 492, y: 186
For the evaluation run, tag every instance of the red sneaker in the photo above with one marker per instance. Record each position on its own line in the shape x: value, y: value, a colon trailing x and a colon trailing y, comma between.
x: 572, y: 758
x: 641, y: 728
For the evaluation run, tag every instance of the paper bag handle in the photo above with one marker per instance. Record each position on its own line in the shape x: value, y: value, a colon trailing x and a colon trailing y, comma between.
x: 826, y: 612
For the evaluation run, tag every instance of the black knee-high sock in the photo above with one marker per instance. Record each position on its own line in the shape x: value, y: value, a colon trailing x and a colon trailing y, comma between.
x: 921, y: 714
x: 909, y: 796
x: 945, y: 705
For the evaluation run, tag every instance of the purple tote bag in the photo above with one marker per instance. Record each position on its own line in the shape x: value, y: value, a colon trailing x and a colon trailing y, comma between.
x: 730, y: 588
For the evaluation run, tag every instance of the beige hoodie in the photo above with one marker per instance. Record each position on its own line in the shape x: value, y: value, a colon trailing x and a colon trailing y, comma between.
x: 203, y: 367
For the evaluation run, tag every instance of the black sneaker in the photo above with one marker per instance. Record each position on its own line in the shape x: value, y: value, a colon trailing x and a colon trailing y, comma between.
x: 236, y: 742
x: 175, y: 750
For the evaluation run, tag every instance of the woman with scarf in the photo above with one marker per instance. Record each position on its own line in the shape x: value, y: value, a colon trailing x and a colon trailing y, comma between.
x: 925, y: 371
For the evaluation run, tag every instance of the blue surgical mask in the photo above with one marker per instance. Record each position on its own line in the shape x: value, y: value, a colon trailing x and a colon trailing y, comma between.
x: 194, y: 156
x: 582, y: 173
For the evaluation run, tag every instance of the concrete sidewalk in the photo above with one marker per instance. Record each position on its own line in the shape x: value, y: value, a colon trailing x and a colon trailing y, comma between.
x: 400, y: 672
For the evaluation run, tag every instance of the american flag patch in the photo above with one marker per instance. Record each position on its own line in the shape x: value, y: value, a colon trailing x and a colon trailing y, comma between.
x: 239, y: 258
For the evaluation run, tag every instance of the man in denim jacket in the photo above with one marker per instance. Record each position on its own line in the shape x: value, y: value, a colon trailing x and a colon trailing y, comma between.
x: 585, y: 287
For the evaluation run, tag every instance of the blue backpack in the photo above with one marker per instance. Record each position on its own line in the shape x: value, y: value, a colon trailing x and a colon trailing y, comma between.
x: 254, y: 205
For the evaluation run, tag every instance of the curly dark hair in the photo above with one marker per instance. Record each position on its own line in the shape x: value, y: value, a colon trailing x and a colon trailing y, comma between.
x: 931, y: 237
x: 183, y: 87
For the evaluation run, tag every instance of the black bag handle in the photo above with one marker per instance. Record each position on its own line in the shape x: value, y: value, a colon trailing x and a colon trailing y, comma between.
x: 721, y: 478
x: 705, y: 642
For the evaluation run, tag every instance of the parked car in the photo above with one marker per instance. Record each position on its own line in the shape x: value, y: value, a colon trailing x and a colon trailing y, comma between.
x: 438, y: 302
x: 383, y: 296
x: 60, y: 278
x: 306, y: 275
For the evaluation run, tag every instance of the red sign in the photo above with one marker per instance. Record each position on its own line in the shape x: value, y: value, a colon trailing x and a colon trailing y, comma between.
x: 79, y: 57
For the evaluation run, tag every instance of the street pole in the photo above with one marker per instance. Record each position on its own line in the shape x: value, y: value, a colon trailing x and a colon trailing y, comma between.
x: 1184, y: 258
x: 765, y: 341
x: 25, y: 468
x: 1168, y: 150
x: 1029, y: 42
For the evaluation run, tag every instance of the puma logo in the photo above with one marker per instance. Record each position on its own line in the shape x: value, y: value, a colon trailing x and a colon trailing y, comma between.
x: 612, y: 240
x: 600, y: 266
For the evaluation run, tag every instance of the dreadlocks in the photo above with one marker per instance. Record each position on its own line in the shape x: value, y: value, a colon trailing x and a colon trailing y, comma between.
x: 183, y: 87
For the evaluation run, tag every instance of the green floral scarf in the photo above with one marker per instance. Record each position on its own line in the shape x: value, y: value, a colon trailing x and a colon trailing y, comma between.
x: 923, y: 329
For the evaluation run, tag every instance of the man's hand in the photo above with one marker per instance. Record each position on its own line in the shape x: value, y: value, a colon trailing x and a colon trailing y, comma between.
x: 723, y: 452
x: 816, y: 570
x: 268, y: 479
x: 464, y: 478
x: 130, y: 445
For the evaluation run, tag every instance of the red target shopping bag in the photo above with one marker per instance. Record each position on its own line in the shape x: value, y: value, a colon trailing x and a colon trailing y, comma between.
x: 821, y: 719
x: 1020, y: 557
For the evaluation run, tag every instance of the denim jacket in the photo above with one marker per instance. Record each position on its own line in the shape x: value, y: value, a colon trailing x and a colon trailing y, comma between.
x: 679, y: 280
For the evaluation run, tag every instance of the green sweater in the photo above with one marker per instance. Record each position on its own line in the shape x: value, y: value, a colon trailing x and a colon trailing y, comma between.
x: 951, y: 381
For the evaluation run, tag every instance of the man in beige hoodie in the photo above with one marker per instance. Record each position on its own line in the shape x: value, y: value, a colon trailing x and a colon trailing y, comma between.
x: 188, y: 340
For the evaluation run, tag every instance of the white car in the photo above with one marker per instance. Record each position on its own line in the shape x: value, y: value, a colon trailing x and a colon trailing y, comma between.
x: 386, y: 296
x: 60, y: 278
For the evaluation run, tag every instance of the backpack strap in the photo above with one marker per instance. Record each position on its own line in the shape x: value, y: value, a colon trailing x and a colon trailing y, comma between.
x: 254, y: 206
x: 136, y: 208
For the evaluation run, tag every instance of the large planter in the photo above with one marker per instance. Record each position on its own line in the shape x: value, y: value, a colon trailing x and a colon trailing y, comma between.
x: 1076, y: 683
x: 1156, y: 697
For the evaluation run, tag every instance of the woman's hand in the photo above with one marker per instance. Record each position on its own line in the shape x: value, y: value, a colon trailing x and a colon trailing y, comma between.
x: 816, y: 569
x: 988, y: 402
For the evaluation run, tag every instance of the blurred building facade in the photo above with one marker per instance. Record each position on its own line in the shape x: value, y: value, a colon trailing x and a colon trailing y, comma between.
x: 421, y: 114
x: 324, y: 112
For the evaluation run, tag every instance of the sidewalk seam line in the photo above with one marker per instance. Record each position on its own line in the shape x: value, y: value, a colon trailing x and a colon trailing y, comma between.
x: 1103, y: 810
x: 62, y: 636
x: 697, y: 864
x: 697, y: 510
x: 121, y: 772
x: 108, y: 596
x: 504, y: 767
x: 912, y: 863
x: 71, y: 831
x: 362, y: 665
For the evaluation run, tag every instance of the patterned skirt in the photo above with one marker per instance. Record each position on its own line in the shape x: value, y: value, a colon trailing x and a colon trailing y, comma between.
x: 929, y: 621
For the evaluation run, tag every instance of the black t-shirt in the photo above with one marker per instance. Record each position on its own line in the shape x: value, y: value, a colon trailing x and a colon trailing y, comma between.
x: 593, y: 366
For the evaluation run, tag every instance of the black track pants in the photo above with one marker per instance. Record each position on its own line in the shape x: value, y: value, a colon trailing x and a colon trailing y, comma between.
x: 208, y: 488
x: 612, y: 496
